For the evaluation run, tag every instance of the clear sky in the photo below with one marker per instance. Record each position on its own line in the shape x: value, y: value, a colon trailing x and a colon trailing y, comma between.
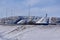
x: 37, y: 8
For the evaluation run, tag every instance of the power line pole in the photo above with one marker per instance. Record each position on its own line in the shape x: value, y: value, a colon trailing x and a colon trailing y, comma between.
x: 46, y: 15
x: 11, y: 11
x: 29, y: 11
x: 6, y: 12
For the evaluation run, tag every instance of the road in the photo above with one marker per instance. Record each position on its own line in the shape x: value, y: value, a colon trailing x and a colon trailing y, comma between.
x: 29, y: 32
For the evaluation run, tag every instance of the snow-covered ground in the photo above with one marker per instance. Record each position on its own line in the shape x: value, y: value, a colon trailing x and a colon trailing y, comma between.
x: 30, y: 32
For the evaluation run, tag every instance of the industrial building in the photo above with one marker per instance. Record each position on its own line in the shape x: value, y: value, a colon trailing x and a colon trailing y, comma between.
x: 33, y: 20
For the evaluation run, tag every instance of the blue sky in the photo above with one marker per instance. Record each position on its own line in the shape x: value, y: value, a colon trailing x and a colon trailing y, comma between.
x: 37, y: 8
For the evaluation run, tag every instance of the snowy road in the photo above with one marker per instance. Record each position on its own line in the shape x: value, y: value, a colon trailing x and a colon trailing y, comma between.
x: 30, y: 32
